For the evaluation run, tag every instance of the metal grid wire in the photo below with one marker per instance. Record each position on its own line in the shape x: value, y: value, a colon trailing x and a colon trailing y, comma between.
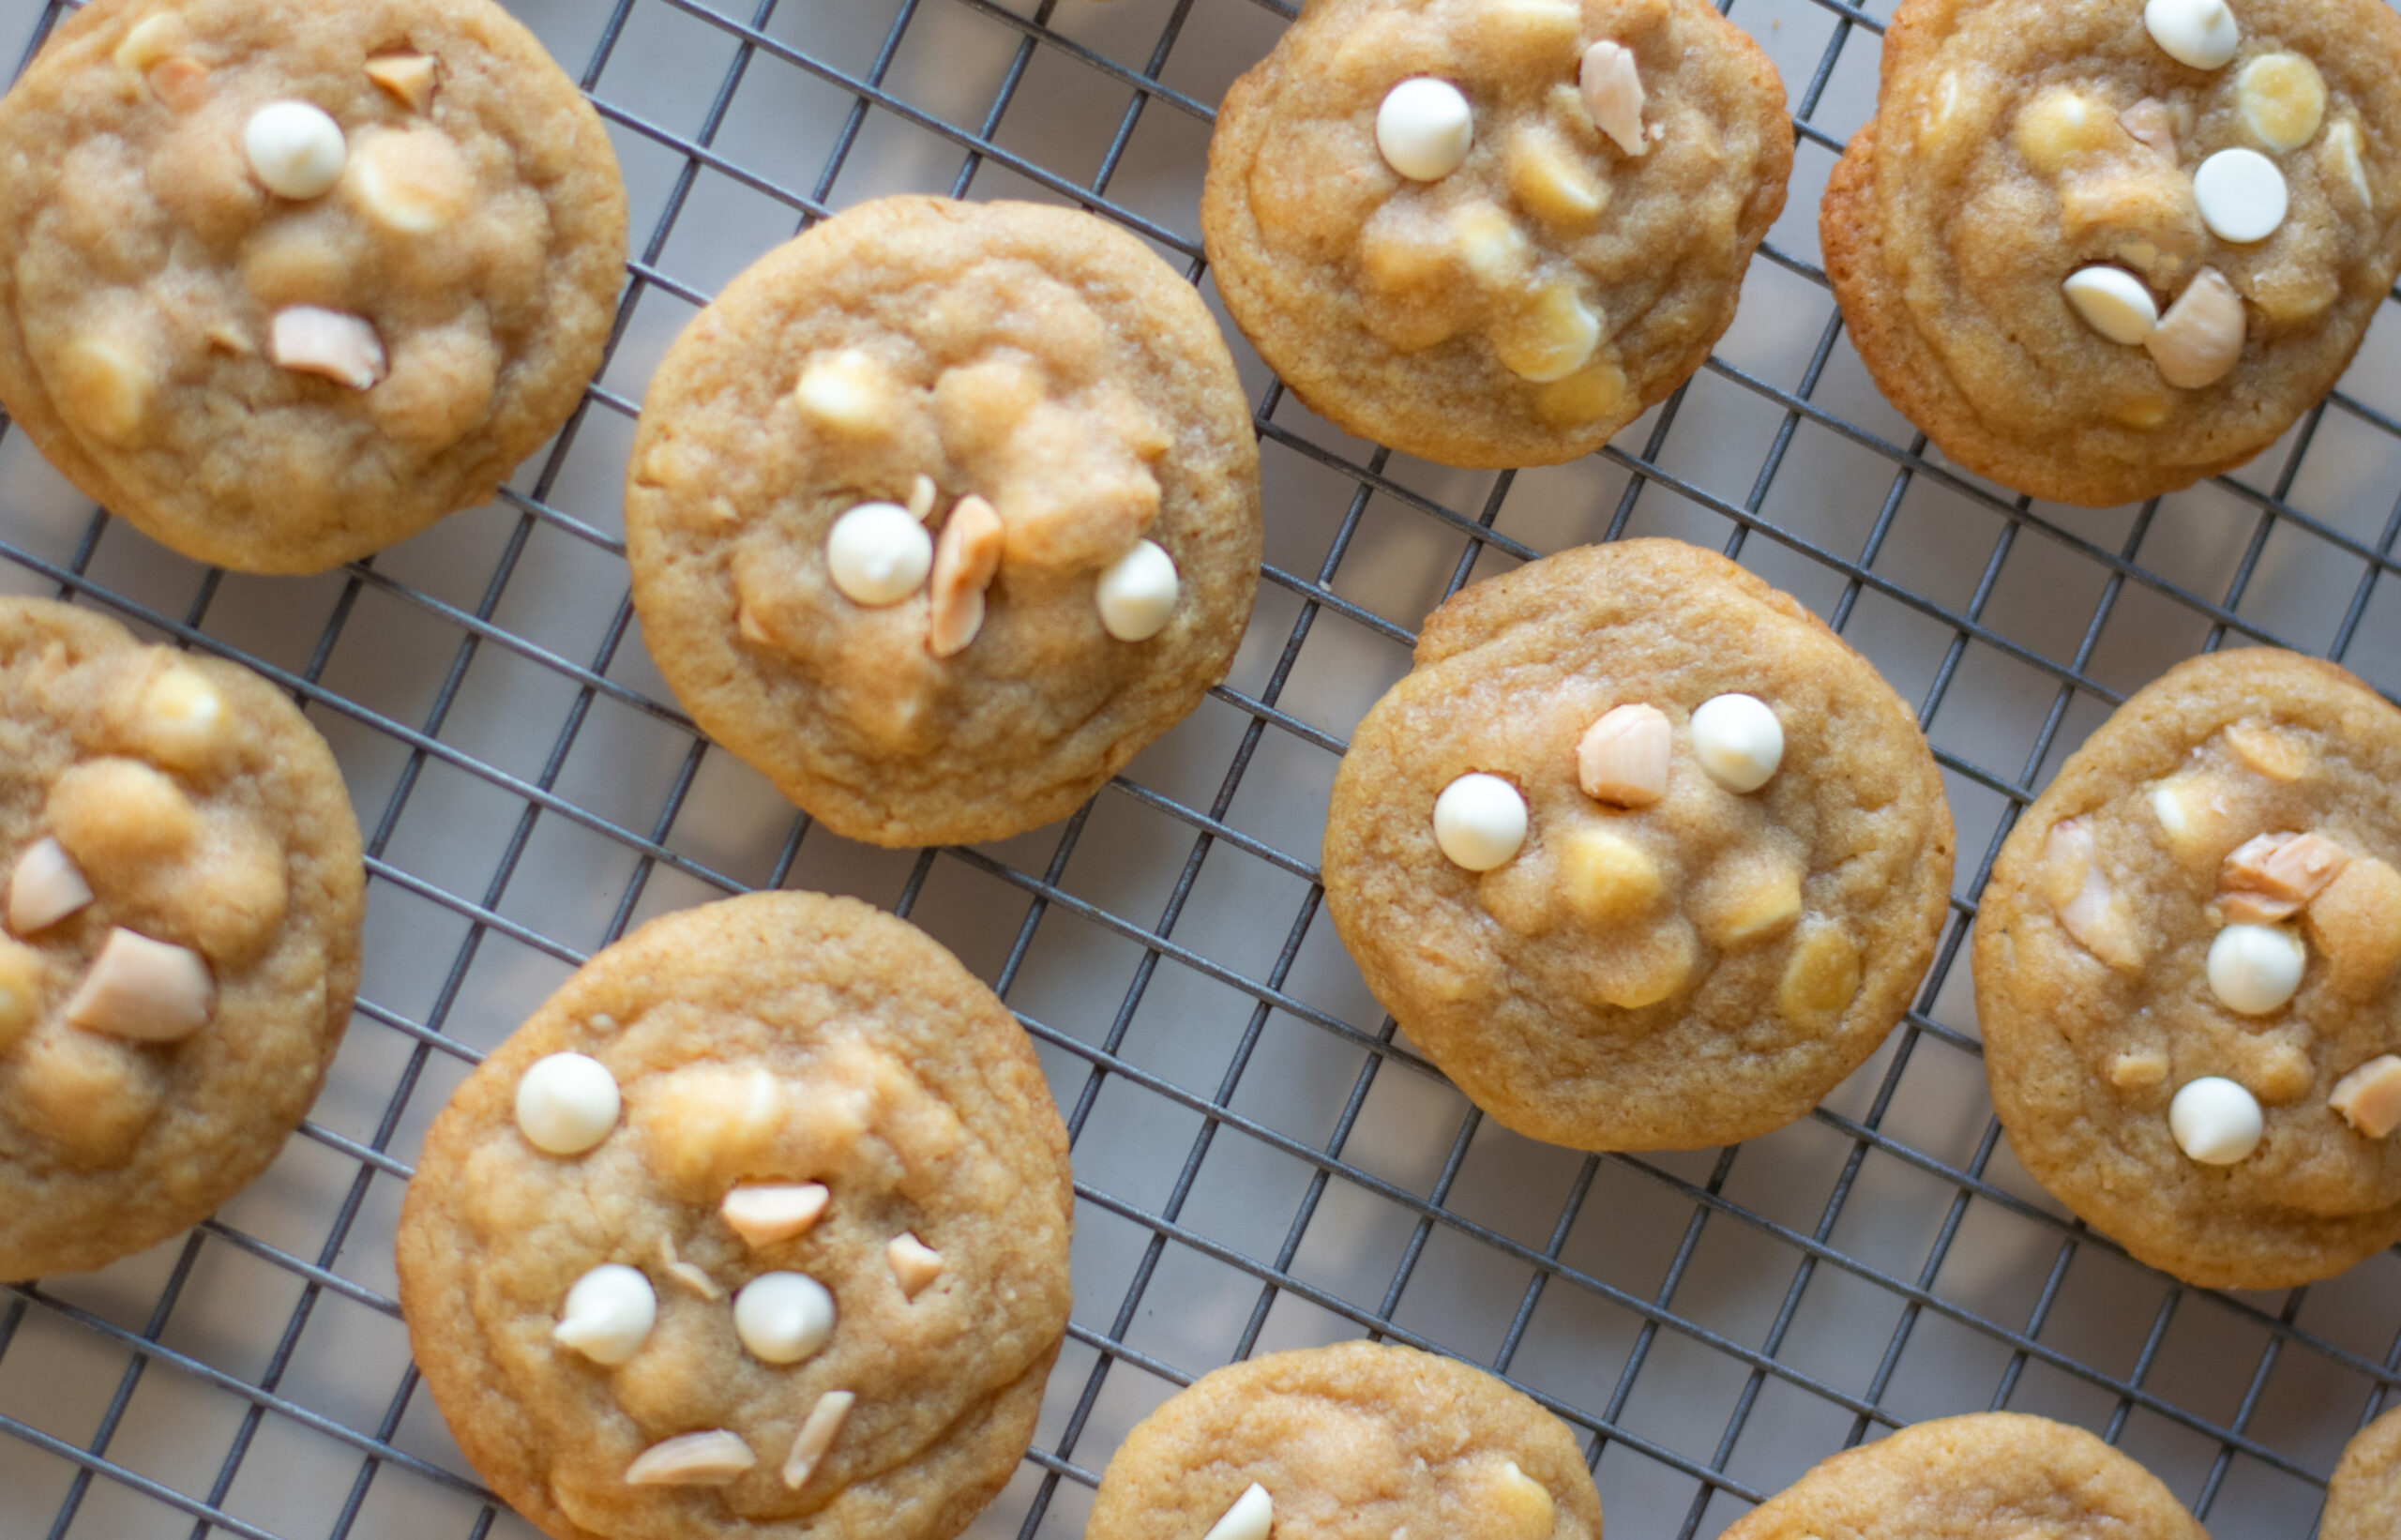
x: 1260, y: 1161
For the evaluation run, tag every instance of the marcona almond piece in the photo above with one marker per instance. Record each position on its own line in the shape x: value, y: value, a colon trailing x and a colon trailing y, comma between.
x: 2341, y: 148
x: 2153, y: 122
x: 692, y: 1459
x: 152, y: 992
x: 2369, y: 1097
x: 967, y: 555
x: 914, y: 1264
x: 922, y: 493
x: 1612, y: 90
x: 91, y: 1098
x: 2279, y: 756
x: 2090, y: 912
x: 816, y: 1436
x: 1623, y: 758
x: 45, y: 888
x: 687, y: 1273
x: 706, y: 1122
x: 410, y: 78
x: 1534, y: 35
x: 2241, y: 907
x: 2200, y: 337
x: 1490, y: 246
x: 2138, y: 1071
x: 343, y: 347
x: 765, y: 1214
x: 2282, y: 870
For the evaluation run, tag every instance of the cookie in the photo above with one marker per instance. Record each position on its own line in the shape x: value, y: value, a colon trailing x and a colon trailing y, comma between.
x: 284, y: 282
x: 184, y: 904
x: 2185, y: 970
x: 1993, y: 1475
x: 1360, y: 1438
x: 756, y: 1227
x: 941, y: 512
x: 1640, y: 852
x: 1493, y: 231
x: 2364, y: 1500
x: 2100, y: 250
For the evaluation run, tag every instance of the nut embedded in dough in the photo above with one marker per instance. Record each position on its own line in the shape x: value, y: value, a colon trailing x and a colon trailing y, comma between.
x: 1612, y: 91
x: 967, y: 556
x: 2270, y: 876
x: 20, y: 991
x: 44, y: 887
x: 1551, y: 181
x: 914, y: 1264
x: 816, y: 1436
x: 1753, y: 909
x: 1550, y: 337
x: 345, y: 349
x: 408, y: 78
x: 769, y: 1214
x: 151, y: 991
x: 2279, y: 755
x: 116, y: 816
x: 2200, y: 337
x: 711, y: 1458
x: 2369, y: 1097
x: 1622, y: 756
x: 411, y: 182
x: 1251, y: 1516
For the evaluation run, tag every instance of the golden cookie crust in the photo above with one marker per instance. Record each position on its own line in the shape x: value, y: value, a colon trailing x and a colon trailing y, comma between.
x: 1366, y: 292
x: 2364, y: 1500
x: 2084, y: 1055
x: 1994, y: 1475
x: 231, y: 838
x: 890, y: 1074
x: 144, y: 265
x: 1359, y: 1438
x: 1036, y: 357
x: 1505, y: 978
x: 1947, y: 244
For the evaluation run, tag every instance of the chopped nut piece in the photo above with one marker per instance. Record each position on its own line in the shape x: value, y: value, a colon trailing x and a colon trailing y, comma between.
x: 765, y: 1214
x: 2277, y: 872
x: 2280, y: 1073
x: 1612, y: 89
x: 967, y: 556
x: 2369, y: 1097
x: 409, y: 77
x: 343, y: 347
x: 2356, y: 922
x: 922, y: 493
x: 152, y: 992
x: 2090, y: 912
x: 414, y: 183
x: 848, y: 392
x: 45, y: 888
x: 181, y: 82
x: 2237, y: 907
x: 2153, y: 122
x: 816, y: 1436
x: 914, y: 1264
x: 2278, y: 756
x: 687, y: 1273
x: 692, y: 1459
x: 2138, y: 1071
x: 1608, y: 879
x: 1249, y: 1517
x: 20, y: 991
x: 2200, y: 337
x: 1821, y: 978
x: 1622, y: 756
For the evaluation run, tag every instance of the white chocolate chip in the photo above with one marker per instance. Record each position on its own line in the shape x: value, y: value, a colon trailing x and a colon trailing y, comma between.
x: 296, y: 149
x: 1613, y: 92
x: 1525, y: 1506
x: 692, y: 1459
x: 2254, y: 969
x: 1738, y: 740
x: 2200, y: 337
x: 848, y: 392
x: 414, y: 183
x: 914, y: 1264
x: 816, y: 1436
x: 2087, y: 906
x: 152, y: 992
x: 410, y: 78
x: 767, y: 1214
x: 2241, y: 194
x: 181, y: 719
x: 2167, y: 805
x: 106, y: 388
x: 783, y: 1316
x: 1622, y: 759
x: 967, y: 557
x: 343, y: 347
x: 1137, y: 592
x: 2369, y: 1097
x: 2283, y: 99
x: 2201, y: 32
x: 1250, y: 1518
x: 922, y: 493
x: 2063, y: 125
x: 607, y: 1314
x: 45, y: 888
x: 1425, y: 128
x: 2215, y: 1121
x: 566, y: 1103
x: 1479, y: 821
x: 878, y: 554
x: 1550, y: 338
x: 1607, y: 877
x: 2113, y: 302
x: 149, y: 40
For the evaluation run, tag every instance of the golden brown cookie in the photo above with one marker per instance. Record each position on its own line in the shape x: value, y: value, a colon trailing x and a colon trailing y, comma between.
x: 2099, y: 249
x: 1493, y: 231
x: 756, y: 1227
x: 1358, y: 1438
x: 2186, y: 973
x: 941, y: 512
x: 1995, y: 1475
x: 1640, y: 852
x: 183, y: 921
x: 284, y: 282
x: 2364, y: 1500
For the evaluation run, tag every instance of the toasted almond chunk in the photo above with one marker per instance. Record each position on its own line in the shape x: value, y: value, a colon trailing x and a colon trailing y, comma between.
x: 2279, y: 756
x: 922, y: 493
x: 2256, y: 908
x: 686, y: 1274
x: 2200, y: 337
x: 1612, y: 89
x: 914, y: 1264
x: 692, y: 1459
x: 152, y: 992
x: 967, y: 555
x: 816, y: 1436
x: 409, y: 77
x: 46, y: 888
x: 1622, y: 756
x: 343, y: 347
x: 1251, y: 1516
x: 2369, y: 1097
x: 2136, y: 1071
x: 763, y: 1213
x: 2091, y: 913
x: 2282, y: 868
x: 2153, y: 122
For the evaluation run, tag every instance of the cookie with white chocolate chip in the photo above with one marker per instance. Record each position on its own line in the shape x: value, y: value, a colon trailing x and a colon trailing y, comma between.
x: 1640, y: 852
x: 1493, y: 231
x: 2188, y: 973
x: 942, y: 511
x: 1360, y: 1438
x: 2364, y: 1500
x: 2099, y: 249
x: 183, y: 911
x: 756, y: 1227
x: 284, y: 282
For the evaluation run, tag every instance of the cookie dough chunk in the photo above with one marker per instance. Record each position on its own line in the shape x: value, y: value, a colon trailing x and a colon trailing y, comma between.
x: 758, y: 1227
x: 2188, y: 973
x: 941, y: 512
x: 1493, y: 231
x: 1995, y: 1475
x: 1640, y: 852
x: 284, y: 282
x: 183, y: 913
x: 2364, y: 1500
x: 1358, y: 1438
x: 2100, y: 251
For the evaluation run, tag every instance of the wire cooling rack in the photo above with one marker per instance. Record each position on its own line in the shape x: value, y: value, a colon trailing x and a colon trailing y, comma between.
x: 1261, y: 1162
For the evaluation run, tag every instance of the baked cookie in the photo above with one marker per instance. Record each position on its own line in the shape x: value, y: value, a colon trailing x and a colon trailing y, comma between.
x: 2099, y: 249
x: 183, y: 918
x: 943, y: 511
x: 284, y: 282
x: 1640, y: 852
x: 1994, y: 1475
x: 1493, y: 231
x: 2186, y: 973
x: 1356, y: 1439
x: 756, y: 1227
x: 2364, y: 1500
